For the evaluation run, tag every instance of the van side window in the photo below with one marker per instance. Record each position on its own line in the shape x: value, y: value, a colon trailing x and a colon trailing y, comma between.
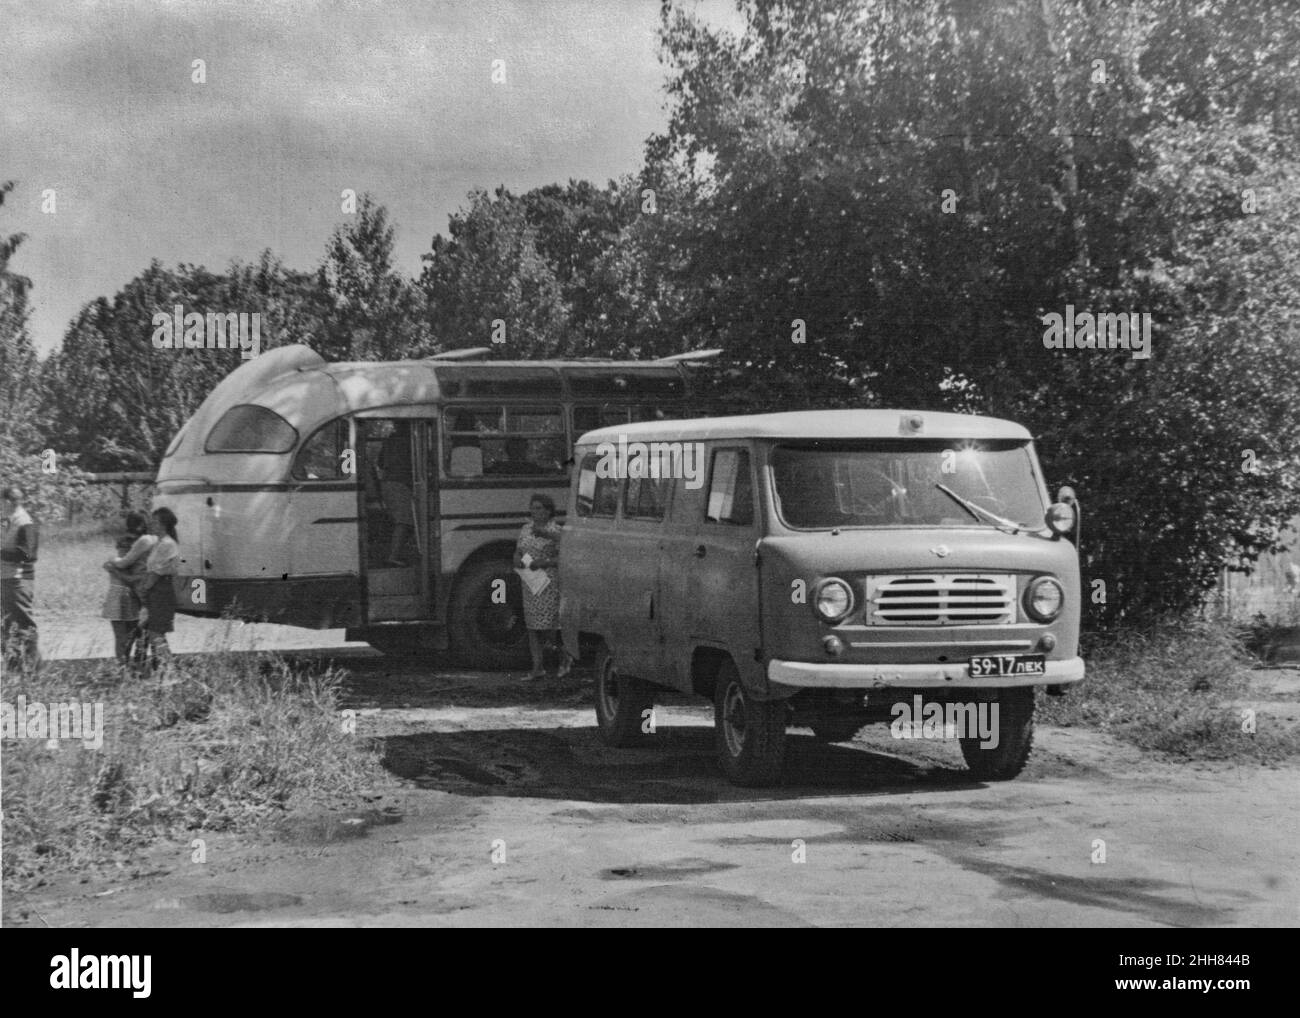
x: 731, y: 488
x: 597, y: 496
x: 321, y: 456
x: 646, y: 497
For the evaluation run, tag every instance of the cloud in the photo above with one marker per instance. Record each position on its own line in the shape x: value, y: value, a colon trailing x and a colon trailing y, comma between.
x: 301, y: 101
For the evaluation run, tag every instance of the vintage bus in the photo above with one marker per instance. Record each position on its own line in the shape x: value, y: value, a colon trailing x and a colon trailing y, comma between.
x: 385, y: 498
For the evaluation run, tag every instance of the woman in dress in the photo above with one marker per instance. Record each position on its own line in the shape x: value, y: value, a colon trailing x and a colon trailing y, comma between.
x: 538, y: 553
x: 122, y: 605
x: 156, y: 588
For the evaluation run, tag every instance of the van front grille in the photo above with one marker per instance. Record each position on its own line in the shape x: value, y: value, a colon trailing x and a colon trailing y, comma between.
x: 941, y: 599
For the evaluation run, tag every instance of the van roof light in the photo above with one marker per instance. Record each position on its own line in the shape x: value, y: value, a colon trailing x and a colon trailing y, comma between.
x: 911, y: 424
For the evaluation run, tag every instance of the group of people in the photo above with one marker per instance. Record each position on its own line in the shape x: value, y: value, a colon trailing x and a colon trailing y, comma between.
x: 141, y: 602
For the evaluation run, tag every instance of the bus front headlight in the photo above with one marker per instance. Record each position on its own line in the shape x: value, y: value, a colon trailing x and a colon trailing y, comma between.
x: 1044, y: 598
x: 834, y: 600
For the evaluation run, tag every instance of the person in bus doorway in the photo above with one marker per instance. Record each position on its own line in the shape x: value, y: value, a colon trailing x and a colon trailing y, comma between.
x: 537, y: 558
x: 18, y: 560
x: 396, y: 480
x: 122, y: 606
x: 162, y: 563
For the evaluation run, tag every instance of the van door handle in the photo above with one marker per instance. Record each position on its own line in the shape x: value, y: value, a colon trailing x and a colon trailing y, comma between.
x: 700, y: 551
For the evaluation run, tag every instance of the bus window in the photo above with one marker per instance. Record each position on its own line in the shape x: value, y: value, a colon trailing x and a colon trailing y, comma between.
x: 249, y: 428
x: 321, y: 456
x: 511, y: 441
x: 589, y: 417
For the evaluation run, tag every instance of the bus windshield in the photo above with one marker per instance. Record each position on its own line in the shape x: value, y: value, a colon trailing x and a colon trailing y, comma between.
x: 825, y: 485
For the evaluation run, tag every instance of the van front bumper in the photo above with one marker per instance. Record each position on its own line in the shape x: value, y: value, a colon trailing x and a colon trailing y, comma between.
x: 806, y: 674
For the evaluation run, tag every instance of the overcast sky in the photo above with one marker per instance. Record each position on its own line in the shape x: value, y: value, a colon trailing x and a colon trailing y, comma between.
x: 302, y: 100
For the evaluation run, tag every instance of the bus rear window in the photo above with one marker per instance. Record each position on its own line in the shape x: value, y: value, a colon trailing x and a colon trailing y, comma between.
x: 249, y: 428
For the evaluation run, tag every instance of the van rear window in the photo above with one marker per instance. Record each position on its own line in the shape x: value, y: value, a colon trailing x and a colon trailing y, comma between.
x: 248, y: 428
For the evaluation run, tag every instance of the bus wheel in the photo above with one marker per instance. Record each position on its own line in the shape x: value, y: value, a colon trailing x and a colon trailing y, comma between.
x: 749, y: 734
x: 621, y: 702
x: 1015, y: 732
x: 487, y: 618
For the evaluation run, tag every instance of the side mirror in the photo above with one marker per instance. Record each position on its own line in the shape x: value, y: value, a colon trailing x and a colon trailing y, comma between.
x: 1062, y: 516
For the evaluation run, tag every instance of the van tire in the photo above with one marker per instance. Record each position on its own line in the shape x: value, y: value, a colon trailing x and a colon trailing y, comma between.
x: 482, y: 634
x: 748, y: 734
x: 621, y: 701
x: 1015, y: 738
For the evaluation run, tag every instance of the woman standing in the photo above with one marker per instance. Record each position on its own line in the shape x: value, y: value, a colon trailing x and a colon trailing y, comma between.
x: 156, y: 588
x: 122, y: 605
x: 538, y: 555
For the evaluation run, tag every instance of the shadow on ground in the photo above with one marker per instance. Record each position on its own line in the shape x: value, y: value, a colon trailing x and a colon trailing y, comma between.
x: 677, y: 767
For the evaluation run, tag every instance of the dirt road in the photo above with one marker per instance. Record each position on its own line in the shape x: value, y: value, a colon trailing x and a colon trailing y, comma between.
x: 506, y: 810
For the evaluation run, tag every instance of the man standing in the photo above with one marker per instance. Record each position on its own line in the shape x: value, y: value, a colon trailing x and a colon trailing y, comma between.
x: 18, y: 576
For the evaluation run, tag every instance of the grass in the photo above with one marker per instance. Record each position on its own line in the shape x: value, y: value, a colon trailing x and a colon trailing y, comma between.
x: 1170, y: 689
x: 233, y: 744
x: 70, y: 579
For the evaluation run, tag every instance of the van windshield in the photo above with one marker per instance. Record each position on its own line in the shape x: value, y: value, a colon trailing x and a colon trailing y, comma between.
x: 900, y: 483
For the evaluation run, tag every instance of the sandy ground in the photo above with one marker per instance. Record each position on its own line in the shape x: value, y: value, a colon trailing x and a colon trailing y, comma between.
x: 505, y: 809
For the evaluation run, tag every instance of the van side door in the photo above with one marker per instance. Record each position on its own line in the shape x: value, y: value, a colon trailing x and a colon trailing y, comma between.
x: 717, y: 561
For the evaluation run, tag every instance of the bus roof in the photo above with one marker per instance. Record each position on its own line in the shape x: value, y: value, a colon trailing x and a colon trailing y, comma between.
x: 306, y: 390
x: 817, y: 424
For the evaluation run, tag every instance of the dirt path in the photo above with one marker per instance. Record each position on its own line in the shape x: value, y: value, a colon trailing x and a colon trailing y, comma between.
x: 510, y: 812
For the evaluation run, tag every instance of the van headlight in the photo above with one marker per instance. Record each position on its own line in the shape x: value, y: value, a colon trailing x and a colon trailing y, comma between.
x: 833, y: 600
x: 1044, y: 598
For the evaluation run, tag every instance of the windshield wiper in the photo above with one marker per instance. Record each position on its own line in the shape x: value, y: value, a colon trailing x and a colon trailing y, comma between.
x: 978, y: 511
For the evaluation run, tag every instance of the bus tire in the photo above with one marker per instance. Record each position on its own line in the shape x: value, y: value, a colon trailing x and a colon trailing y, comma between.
x: 621, y: 703
x: 1015, y: 731
x: 748, y: 734
x: 485, y: 633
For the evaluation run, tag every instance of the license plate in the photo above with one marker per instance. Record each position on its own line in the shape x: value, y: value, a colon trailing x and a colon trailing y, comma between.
x: 1008, y: 664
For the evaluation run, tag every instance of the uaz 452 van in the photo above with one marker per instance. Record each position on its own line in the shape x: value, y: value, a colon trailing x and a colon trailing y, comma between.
x: 827, y: 570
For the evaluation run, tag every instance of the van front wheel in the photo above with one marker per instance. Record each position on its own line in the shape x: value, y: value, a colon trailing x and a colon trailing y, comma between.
x: 1015, y: 733
x: 621, y: 703
x: 749, y: 734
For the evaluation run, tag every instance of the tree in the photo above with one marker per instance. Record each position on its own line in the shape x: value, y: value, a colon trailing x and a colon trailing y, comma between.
x: 488, y: 281
x: 50, y: 484
x: 908, y: 188
x: 374, y: 313
x: 113, y: 396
